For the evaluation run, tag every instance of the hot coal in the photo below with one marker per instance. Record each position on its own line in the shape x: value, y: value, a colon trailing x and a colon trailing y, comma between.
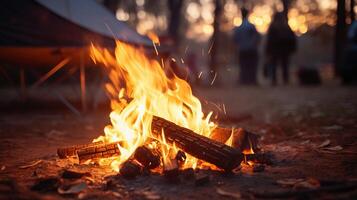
x: 171, y: 170
x: 258, y: 168
x: 130, y: 169
x: 180, y: 157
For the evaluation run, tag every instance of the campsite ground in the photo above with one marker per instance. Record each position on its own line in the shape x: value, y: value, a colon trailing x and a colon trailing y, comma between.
x: 310, y: 131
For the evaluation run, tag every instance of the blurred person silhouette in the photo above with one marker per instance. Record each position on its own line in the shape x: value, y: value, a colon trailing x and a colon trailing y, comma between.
x: 247, y: 39
x: 280, y: 44
x: 349, y: 68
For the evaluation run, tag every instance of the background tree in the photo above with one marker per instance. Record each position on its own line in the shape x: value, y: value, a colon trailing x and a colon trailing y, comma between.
x: 214, y: 43
x: 340, y: 34
x: 175, y: 7
x: 112, y: 5
x: 352, y: 11
x: 286, y: 6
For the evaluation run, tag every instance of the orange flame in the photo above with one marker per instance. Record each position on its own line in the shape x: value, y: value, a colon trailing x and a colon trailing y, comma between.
x: 139, y: 89
x: 153, y: 37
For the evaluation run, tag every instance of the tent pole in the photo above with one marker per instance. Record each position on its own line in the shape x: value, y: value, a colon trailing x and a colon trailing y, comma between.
x: 51, y: 72
x: 83, y: 81
x: 23, y: 93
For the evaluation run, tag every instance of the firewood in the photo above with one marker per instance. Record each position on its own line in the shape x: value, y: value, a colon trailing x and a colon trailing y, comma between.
x: 201, y: 147
x: 242, y: 139
x: 98, y: 151
x: 72, y: 151
x: 147, y: 157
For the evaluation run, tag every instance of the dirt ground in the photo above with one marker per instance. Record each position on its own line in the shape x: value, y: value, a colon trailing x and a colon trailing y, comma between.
x: 311, y: 133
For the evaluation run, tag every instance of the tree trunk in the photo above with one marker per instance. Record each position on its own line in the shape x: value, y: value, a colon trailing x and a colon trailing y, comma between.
x: 286, y: 6
x: 111, y: 5
x: 340, y: 34
x: 352, y: 11
x: 214, y: 44
x: 175, y: 19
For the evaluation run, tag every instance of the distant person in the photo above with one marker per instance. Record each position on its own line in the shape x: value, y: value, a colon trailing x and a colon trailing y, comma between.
x: 349, y: 68
x: 247, y: 39
x: 281, y: 43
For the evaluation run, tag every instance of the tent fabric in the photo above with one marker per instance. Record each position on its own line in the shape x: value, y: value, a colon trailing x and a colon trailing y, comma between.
x: 62, y: 23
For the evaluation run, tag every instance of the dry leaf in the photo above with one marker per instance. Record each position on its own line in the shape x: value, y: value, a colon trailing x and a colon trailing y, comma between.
x: 335, y: 148
x: 333, y: 128
x: 309, y: 183
x: 324, y: 144
x: 31, y: 165
x: 305, y: 142
x: 150, y: 195
x: 235, y: 195
x: 289, y: 181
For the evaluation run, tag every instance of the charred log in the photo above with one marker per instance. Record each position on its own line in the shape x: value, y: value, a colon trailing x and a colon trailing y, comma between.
x: 147, y: 157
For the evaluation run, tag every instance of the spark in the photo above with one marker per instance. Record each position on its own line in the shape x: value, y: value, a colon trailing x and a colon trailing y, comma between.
x: 200, y: 74
x: 183, y: 62
x: 214, y: 78
x: 210, y: 48
x: 224, y: 109
x: 153, y: 43
x: 173, y: 59
x: 162, y: 63
x: 186, y: 49
x: 216, y: 105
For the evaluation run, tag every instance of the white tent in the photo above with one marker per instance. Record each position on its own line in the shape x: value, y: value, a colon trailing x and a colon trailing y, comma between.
x: 93, y: 16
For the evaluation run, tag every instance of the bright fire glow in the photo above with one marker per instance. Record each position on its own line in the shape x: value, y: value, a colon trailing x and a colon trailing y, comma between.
x: 140, y: 88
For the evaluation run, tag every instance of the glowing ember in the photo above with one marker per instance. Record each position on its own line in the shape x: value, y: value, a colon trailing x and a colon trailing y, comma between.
x: 139, y: 89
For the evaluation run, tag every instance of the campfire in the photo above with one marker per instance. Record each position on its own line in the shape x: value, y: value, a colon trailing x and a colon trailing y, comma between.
x: 157, y: 123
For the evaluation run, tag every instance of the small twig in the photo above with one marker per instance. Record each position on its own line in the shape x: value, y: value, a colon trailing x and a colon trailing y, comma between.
x: 31, y: 165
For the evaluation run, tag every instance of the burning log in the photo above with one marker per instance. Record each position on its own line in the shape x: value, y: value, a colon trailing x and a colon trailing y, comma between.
x: 201, y: 147
x: 242, y: 139
x: 72, y: 151
x: 98, y: 151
